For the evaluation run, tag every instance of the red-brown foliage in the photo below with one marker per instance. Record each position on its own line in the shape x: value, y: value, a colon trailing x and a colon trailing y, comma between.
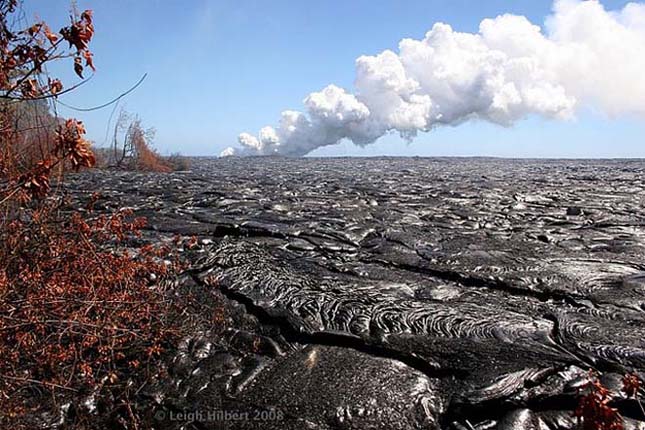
x: 74, y: 311
x: 26, y: 164
x: 146, y: 159
x: 133, y: 150
x: 78, y: 310
x: 593, y: 407
x: 631, y: 385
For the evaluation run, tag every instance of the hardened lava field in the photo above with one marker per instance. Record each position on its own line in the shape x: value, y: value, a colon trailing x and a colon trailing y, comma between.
x: 403, y: 293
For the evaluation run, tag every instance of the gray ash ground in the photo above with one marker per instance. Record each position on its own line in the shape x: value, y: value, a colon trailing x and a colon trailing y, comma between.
x: 400, y: 293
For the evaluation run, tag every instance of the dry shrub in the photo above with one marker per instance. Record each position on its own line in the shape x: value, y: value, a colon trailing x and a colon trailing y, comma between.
x: 79, y: 310
x: 35, y: 144
x: 595, y: 410
x: 146, y: 158
x: 178, y: 162
x: 33, y: 130
x: 102, y: 156
x: 77, y: 313
x: 132, y: 148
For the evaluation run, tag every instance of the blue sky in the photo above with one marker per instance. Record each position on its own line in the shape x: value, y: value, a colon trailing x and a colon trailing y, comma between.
x: 218, y: 68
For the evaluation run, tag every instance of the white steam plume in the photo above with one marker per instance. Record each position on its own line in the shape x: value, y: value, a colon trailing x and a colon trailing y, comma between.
x: 588, y: 57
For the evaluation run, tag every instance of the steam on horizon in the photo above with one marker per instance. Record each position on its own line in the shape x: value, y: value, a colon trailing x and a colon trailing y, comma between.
x: 588, y: 56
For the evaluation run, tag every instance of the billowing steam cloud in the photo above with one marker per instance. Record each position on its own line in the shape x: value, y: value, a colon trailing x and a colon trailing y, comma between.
x: 589, y: 56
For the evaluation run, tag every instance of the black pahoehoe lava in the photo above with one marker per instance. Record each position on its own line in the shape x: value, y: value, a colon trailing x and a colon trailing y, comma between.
x: 406, y: 293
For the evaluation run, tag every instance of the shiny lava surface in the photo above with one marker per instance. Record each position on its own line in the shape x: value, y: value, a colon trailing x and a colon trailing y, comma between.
x: 404, y: 293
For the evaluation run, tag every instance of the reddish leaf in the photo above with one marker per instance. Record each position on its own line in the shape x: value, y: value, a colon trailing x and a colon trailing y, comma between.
x: 55, y: 86
x: 88, y: 59
x: 631, y: 384
x: 87, y: 16
x: 78, y: 67
x: 52, y: 37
